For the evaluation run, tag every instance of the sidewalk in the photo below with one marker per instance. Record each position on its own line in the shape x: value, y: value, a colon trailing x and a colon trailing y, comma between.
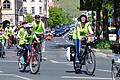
x: 107, y: 53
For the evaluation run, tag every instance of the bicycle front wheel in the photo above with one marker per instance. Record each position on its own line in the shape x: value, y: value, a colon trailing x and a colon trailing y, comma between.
x: 115, y: 71
x: 90, y: 62
x: 35, y: 63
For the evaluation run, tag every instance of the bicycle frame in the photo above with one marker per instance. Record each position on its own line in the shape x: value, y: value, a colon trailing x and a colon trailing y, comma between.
x: 83, y: 54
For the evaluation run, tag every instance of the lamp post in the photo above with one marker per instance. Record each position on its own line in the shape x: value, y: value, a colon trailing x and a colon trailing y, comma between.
x: 20, y: 15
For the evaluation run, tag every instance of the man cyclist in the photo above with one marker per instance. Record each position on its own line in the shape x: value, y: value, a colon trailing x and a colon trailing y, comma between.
x: 38, y: 28
x: 81, y: 30
x: 8, y: 34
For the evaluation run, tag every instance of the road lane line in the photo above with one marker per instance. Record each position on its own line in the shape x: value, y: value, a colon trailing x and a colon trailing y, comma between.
x: 65, y: 35
x: 93, y: 78
x: 23, y: 77
x: 103, y: 70
x: 53, y: 61
x: 10, y: 61
x: 14, y: 75
x: 69, y: 42
x: 1, y: 71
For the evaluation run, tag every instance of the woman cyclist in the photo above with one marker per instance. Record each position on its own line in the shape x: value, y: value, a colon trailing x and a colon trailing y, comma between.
x: 81, y: 30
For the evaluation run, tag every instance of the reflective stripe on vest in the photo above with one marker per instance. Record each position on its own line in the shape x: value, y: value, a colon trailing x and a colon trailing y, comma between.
x: 83, y: 31
x: 37, y: 28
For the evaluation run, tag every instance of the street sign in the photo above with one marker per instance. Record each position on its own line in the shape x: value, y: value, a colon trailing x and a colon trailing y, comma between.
x: 112, y: 37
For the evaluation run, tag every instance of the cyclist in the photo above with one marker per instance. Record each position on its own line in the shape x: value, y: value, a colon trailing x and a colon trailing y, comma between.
x: 22, y: 33
x: 1, y: 37
x: 38, y: 27
x: 8, y: 33
x: 82, y: 29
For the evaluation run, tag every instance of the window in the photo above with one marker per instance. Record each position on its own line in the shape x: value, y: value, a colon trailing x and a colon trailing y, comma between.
x: 33, y: 10
x: 40, y: 9
x: 6, y: 4
x: 40, y: 0
x: 24, y: 0
x: 32, y: 0
x: 25, y: 10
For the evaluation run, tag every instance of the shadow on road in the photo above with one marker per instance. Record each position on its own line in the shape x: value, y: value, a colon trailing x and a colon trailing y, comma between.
x: 81, y: 72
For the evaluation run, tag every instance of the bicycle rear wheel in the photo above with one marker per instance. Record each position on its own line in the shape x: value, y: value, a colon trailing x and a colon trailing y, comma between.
x: 90, y: 62
x: 115, y: 71
x: 21, y: 66
x: 35, y: 63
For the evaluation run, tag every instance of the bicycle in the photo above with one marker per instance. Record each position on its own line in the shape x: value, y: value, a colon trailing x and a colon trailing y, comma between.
x: 2, y: 51
x: 87, y: 57
x: 33, y: 58
x: 115, y: 69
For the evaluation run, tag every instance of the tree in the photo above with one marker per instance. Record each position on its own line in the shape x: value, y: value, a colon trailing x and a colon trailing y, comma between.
x: 29, y: 18
x: 57, y: 17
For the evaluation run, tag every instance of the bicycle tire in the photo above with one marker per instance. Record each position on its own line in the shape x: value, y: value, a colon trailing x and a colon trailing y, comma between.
x: 114, y: 71
x: 37, y: 56
x: 32, y: 66
x: 77, y: 68
x: 90, y: 56
x: 3, y: 55
x: 21, y: 66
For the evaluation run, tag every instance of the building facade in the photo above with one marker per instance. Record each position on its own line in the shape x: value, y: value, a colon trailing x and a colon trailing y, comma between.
x: 36, y: 7
x: 0, y: 12
x: 10, y: 10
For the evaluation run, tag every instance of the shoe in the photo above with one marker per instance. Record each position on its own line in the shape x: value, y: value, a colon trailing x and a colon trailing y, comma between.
x: 22, y: 60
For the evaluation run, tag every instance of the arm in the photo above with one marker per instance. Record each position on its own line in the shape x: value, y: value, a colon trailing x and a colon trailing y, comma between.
x: 33, y: 26
x: 78, y: 32
x: 36, y: 37
x: 90, y: 29
x: 43, y: 27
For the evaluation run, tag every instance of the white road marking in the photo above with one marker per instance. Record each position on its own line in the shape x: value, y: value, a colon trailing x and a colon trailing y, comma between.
x: 10, y: 61
x: 68, y: 42
x: 93, y: 78
x: 103, y: 70
x: 53, y: 61
x: 1, y: 71
x: 65, y: 35
x: 70, y: 64
x: 14, y: 75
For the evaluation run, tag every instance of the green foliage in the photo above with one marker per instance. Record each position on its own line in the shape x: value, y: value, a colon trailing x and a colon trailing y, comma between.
x: 108, y: 5
x: 69, y: 6
x: 29, y: 18
x: 57, y: 16
x: 103, y: 44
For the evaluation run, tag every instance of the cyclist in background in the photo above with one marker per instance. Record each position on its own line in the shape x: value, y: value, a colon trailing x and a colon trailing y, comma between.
x: 81, y: 30
x: 8, y: 34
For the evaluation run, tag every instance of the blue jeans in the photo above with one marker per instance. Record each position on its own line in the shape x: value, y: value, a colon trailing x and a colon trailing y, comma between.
x: 77, y: 45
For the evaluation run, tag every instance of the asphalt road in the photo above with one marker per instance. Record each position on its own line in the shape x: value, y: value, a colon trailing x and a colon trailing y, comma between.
x: 54, y: 65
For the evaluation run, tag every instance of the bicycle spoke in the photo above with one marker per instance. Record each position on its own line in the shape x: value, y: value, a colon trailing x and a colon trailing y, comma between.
x: 90, y: 63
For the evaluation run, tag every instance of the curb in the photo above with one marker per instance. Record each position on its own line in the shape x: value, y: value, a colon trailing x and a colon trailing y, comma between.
x: 107, y: 53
